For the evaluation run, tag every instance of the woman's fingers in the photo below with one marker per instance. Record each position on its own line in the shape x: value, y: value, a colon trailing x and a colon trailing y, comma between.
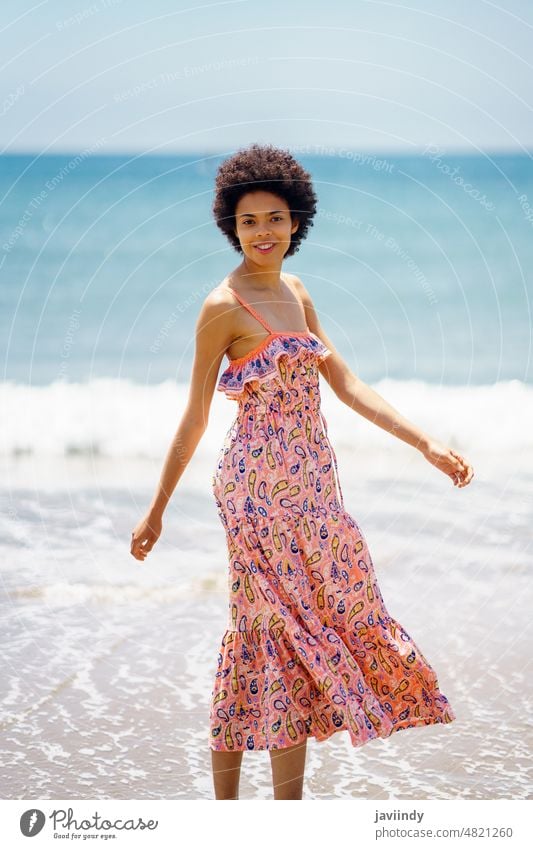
x: 450, y: 462
x: 137, y: 548
x: 145, y: 535
x: 469, y: 474
x: 464, y: 473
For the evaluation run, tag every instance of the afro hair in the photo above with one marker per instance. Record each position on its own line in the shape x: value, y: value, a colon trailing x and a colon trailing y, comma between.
x: 263, y: 168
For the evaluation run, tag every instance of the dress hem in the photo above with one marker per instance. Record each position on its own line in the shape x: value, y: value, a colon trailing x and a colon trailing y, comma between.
x: 399, y: 726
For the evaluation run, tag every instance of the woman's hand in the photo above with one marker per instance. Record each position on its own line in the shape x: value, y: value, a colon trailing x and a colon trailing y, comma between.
x: 449, y: 462
x: 145, y: 536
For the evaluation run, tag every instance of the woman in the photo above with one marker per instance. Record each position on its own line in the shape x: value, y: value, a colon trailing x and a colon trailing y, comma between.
x: 310, y: 648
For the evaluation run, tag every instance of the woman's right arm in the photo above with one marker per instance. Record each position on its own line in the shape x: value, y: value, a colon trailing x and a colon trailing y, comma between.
x: 213, y: 337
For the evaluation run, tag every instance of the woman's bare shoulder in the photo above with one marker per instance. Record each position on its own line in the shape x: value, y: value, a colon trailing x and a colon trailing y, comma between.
x: 299, y: 288
x: 219, y: 297
x: 224, y: 292
x: 217, y: 312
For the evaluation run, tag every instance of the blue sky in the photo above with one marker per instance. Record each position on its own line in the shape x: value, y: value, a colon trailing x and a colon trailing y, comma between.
x: 166, y: 76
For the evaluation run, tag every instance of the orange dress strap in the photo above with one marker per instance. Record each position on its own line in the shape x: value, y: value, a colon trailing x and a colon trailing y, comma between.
x: 252, y: 311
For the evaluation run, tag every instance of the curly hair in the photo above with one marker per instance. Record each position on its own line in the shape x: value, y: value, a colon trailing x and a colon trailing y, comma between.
x: 264, y: 168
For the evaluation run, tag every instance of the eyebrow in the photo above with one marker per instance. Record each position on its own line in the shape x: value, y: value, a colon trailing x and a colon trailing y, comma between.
x: 241, y: 214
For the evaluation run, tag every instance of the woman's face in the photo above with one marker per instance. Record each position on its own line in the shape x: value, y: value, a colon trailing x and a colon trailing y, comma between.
x: 262, y: 218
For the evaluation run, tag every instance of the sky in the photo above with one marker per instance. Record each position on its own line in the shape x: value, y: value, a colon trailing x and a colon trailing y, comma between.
x: 113, y: 76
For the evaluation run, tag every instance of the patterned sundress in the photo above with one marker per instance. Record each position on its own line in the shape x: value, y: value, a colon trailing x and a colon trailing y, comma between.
x: 309, y: 648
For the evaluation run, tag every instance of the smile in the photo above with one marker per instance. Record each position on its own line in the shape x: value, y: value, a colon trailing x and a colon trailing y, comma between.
x: 265, y: 247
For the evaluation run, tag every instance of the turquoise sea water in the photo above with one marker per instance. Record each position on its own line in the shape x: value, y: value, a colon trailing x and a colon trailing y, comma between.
x: 420, y: 267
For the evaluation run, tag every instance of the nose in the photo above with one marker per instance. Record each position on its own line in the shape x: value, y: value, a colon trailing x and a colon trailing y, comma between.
x: 263, y: 230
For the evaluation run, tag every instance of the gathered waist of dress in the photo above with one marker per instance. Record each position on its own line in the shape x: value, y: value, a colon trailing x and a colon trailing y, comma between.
x: 259, y: 409
x: 262, y: 419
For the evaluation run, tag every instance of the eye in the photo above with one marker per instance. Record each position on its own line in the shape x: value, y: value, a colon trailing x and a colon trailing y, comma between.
x: 250, y: 220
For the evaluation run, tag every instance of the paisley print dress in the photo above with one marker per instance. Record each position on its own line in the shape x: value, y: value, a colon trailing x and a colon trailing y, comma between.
x: 309, y: 648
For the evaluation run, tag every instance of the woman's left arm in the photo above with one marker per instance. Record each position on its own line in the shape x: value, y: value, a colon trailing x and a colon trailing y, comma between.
x: 357, y: 395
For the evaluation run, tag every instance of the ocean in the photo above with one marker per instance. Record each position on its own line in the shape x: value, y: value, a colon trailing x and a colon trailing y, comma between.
x: 420, y: 269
